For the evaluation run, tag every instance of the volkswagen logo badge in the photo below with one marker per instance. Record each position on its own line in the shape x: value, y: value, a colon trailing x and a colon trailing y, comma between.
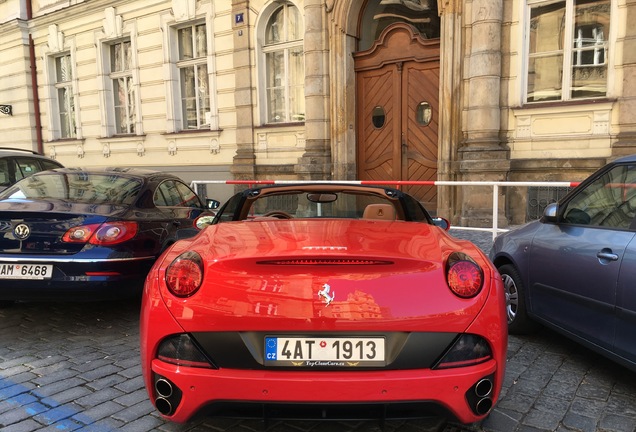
x: 22, y: 231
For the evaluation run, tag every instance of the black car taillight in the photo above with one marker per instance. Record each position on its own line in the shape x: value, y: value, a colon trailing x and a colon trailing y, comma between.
x: 181, y: 350
x: 184, y: 275
x: 464, y: 276
x: 467, y: 350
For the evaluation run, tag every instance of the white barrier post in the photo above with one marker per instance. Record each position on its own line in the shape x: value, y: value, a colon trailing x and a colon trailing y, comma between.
x: 495, y: 211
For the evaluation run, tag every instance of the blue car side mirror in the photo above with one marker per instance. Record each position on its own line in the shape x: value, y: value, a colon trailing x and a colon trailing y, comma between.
x: 550, y: 213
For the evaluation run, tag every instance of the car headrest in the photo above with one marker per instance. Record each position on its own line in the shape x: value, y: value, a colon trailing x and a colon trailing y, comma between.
x: 379, y: 211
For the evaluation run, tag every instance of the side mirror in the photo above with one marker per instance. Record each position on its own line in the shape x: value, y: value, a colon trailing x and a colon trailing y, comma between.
x: 442, y: 223
x: 212, y: 204
x: 550, y: 213
x: 203, y: 221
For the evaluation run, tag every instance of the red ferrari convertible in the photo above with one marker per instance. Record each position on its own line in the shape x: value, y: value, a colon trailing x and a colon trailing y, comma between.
x: 323, y: 301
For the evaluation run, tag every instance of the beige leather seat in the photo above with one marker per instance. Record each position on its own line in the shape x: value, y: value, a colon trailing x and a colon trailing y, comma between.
x: 379, y: 211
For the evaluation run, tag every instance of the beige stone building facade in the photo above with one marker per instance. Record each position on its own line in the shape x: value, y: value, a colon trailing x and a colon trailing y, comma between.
x: 326, y: 89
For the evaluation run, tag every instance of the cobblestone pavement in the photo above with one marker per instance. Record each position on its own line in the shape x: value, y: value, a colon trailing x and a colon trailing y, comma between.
x: 66, y: 367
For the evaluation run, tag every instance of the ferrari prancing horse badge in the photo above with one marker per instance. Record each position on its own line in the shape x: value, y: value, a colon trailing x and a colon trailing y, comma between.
x: 324, y: 293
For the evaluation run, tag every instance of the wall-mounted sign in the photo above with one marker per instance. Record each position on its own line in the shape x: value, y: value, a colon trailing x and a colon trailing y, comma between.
x: 238, y: 18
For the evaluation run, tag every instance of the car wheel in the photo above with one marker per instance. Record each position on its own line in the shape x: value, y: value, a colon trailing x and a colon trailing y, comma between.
x: 518, y: 320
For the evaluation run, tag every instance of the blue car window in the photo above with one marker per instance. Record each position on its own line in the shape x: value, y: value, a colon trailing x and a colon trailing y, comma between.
x: 608, y: 201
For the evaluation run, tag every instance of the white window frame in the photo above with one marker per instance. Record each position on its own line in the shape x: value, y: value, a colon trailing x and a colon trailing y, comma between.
x: 116, y: 31
x: 130, y: 103
x: 194, y: 63
x: 67, y: 121
x: 175, y: 121
x: 53, y: 85
x: 567, y: 52
x: 264, y: 49
x: 108, y: 98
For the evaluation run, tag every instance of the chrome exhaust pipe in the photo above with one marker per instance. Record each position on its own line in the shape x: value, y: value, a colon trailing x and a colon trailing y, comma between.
x: 163, y: 387
x: 167, y: 396
x: 483, y: 388
x: 163, y: 406
x: 483, y: 406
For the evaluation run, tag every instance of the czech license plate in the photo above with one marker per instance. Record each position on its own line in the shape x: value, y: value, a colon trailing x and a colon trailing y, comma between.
x: 324, y: 351
x: 26, y: 271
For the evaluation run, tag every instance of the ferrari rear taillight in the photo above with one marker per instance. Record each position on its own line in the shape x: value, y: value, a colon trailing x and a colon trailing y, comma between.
x: 467, y: 350
x: 181, y: 350
x: 465, y: 278
x: 185, y: 274
x: 105, y: 234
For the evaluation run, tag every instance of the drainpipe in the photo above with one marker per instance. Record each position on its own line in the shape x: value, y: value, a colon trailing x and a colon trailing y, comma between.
x: 36, y: 96
x: 34, y: 83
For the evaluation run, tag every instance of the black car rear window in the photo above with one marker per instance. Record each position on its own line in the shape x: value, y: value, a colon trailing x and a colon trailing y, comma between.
x: 79, y: 187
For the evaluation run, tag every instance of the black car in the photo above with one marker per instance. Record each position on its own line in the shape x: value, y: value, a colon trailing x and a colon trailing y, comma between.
x: 90, y: 234
x: 16, y: 164
x: 575, y: 269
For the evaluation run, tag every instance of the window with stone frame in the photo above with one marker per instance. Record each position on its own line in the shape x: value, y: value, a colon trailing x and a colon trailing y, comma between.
x: 284, y: 64
x: 568, y: 44
x: 193, y: 76
x: 121, y: 77
x: 421, y: 15
x: 64, y: 95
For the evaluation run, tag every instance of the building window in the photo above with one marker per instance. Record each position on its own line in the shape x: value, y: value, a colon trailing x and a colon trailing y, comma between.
x: 284, y: 63
x: 421, y: 15
x: 65, y: 97
x: 124, y: 100
x: 193, y: 76
x: 568, y: 50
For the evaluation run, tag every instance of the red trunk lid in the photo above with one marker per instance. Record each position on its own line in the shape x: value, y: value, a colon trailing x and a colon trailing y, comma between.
x: 326, y: 274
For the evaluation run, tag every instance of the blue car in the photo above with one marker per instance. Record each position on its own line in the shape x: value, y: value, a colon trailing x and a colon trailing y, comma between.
x: 90, y: 234
x: 574, y: 270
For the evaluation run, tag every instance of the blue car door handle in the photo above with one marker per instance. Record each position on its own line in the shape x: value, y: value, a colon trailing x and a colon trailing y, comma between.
x: 607, y: 254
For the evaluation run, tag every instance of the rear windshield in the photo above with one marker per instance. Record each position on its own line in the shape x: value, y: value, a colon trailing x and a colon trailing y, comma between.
x: 77, y: 187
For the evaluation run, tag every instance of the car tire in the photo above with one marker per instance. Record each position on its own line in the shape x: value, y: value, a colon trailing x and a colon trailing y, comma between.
x: 518, y: 320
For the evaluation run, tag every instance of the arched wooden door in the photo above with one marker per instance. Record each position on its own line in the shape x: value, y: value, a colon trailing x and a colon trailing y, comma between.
x: 397, y: 88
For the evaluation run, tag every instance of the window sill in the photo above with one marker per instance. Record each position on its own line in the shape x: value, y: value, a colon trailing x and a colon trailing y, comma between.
x: 66, y: 141
x: 564, y: 104
x: 122, y: 137
x: 194, y: 132
x: 280, y: 125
